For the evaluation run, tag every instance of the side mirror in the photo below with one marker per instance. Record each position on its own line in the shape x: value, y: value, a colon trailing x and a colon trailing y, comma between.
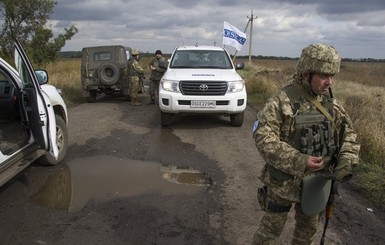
x: 42, y: 76
x: 239, y: 66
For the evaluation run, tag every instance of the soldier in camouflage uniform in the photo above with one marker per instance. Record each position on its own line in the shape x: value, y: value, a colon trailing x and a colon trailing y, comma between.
x: 297, y: 139
x: 134, y: 72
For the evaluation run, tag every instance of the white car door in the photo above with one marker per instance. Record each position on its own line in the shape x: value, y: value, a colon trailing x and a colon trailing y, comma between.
x: 41, y: 116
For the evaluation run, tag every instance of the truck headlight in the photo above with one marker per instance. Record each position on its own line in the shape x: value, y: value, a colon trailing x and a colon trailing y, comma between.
x: 169, y: 85
x: 236, y: 86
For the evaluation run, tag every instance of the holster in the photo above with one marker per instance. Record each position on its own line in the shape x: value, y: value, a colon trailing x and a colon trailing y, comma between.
x: 268, y: 205
x: 262, y: 197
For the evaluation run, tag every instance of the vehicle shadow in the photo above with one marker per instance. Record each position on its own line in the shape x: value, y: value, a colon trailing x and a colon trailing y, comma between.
x: 200, y: 121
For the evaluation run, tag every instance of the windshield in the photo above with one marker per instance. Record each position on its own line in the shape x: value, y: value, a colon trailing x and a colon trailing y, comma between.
x: 200, y: 59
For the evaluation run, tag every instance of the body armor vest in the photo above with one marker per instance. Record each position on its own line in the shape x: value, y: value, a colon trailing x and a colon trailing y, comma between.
x: 130, y: 68
x: 311, y: 132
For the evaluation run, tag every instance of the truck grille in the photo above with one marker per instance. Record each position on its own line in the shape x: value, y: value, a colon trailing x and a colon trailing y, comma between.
x: 203, y: 87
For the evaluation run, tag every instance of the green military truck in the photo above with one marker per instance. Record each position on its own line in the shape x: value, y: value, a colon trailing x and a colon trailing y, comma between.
x: 103, y: 71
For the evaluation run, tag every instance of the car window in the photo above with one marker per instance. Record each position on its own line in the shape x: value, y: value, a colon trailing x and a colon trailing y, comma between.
x: 102, y: 56
x: 23, y: 73
x: 6, y: 89
x: 180, y: 59
x: 2, y: 76
x: 201, y: 59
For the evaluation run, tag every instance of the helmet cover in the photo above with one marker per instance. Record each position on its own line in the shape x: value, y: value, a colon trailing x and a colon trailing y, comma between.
x: 319, y: 58
x: 134, y: 52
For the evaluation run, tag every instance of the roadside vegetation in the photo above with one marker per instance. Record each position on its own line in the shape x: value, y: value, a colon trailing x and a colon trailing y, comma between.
x: 359, y: 86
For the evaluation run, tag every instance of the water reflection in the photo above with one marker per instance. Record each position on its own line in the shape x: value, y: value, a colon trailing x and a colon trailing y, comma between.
x: 102, y: 178
x: 184, y: 175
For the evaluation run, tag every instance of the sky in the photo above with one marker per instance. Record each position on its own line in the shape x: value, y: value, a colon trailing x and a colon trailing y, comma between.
x: 283, y: 28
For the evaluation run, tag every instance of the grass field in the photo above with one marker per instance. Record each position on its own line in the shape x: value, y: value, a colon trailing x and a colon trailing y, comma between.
x: 359, y: 86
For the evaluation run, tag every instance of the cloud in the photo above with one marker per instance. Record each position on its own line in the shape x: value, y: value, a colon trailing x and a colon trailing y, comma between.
x: 280, y: 27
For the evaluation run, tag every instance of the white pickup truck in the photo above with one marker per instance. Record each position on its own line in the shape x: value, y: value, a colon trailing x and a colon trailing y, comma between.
x: 202, y: 79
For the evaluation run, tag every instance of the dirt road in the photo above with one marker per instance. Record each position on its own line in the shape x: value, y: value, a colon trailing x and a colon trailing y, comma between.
x: 127, y: 180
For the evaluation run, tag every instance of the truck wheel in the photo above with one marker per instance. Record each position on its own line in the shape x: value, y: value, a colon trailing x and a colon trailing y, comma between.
x: 237, y: 119
x: 166, y: 118
x: 108, y: 73
x: 61, y: 141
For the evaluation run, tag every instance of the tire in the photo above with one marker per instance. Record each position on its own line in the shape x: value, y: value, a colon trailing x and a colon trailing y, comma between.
x: 109, y: 73
x: 61, y: 141
x: 237, y: 119
x: 166, y: 118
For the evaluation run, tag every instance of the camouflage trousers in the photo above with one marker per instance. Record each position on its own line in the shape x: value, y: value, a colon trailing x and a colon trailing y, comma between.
x: 272, y: 224
x: 154, y: 89
x: 134, y: 87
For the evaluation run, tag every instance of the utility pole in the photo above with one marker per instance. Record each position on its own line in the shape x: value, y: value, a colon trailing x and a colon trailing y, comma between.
x: 250, y: 20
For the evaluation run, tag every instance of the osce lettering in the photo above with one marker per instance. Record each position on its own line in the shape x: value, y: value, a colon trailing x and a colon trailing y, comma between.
x: 230, y: 34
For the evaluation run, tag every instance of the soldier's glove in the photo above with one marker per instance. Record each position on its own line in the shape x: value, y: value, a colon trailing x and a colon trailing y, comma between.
x: 342, y: 172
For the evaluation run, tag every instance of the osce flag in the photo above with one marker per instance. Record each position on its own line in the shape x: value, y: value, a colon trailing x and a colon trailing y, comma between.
x: 233, y: 37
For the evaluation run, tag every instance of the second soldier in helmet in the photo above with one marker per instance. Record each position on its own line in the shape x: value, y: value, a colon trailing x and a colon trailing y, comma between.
x: 134, y: 73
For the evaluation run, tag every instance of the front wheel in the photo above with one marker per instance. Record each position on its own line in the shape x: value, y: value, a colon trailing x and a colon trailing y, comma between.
x: 61, y: 141
x: 237, y: 119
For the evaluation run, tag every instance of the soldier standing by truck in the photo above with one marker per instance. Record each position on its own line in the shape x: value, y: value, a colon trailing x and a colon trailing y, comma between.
x: 156, y: 75
x: 134, y: 73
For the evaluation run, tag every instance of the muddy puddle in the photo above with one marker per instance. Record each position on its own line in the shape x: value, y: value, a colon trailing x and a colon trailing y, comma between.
x: 103, y: 178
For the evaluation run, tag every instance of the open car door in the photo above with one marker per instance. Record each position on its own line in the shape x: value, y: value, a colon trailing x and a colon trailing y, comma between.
x: 40, y: 113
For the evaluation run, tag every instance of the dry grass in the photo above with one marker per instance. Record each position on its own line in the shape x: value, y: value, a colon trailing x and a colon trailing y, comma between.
x: 65, y: 74
x: 358, y: 86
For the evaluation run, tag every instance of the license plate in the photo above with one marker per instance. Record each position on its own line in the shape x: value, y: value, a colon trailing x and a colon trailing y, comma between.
x: 203, y: 103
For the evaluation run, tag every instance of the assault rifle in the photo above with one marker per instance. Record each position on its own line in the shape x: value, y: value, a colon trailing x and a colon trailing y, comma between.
x: 335, y: 184
x: 142, y: 90
x: 329, y: 209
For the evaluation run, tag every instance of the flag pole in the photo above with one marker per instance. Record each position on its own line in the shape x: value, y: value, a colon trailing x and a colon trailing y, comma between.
x: 236, y: 51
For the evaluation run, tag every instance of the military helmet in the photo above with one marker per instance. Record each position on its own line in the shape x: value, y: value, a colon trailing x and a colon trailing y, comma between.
x: 134, y: 52
x: 319, y: 58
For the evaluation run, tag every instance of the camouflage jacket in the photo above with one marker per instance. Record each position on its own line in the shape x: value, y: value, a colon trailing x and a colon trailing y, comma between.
x: 134, y: 69
x: 271, y: 137
x: 156, y: 74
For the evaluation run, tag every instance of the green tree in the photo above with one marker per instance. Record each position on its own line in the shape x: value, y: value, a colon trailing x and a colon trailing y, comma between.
x: 26, y: 20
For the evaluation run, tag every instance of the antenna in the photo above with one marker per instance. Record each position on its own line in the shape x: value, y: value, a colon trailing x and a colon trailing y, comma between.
x: 196, y: 37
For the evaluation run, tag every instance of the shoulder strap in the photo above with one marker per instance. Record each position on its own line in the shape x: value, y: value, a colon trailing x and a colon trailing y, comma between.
x: 315, y: 102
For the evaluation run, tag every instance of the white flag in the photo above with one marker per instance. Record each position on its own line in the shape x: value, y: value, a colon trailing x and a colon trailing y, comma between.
x: 233, y: 37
